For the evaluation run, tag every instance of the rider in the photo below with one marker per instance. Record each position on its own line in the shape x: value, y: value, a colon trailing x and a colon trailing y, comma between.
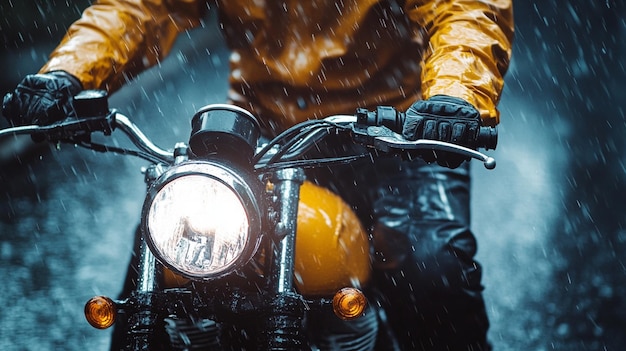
x: 294, y: 60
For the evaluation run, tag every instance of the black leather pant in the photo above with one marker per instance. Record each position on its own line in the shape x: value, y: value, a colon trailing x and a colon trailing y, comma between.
x: 426, y: 279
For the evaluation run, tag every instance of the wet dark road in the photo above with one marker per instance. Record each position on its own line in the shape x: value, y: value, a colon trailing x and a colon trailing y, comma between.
x: 549, y: 219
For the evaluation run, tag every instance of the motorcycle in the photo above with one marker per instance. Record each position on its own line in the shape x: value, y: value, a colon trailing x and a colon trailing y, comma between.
x: 238, y: 249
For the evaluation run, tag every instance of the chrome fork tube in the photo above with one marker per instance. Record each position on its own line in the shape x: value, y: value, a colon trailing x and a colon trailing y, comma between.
x: 287, y: 189
x: 147, y: 269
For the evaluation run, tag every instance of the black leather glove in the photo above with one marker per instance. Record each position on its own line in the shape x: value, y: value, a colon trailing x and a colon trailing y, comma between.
x: 41, y: 99
x: 443, y: 118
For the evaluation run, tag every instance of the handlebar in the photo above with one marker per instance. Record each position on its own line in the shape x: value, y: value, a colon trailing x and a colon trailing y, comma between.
x: 141, y: 140
x: 79, y: 130
x: 378, y: 130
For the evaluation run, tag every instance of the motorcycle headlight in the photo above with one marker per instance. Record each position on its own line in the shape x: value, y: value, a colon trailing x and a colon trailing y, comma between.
x: 201, y: 219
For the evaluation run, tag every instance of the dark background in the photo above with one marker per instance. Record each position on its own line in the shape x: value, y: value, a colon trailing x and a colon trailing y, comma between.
x: 550, y: 218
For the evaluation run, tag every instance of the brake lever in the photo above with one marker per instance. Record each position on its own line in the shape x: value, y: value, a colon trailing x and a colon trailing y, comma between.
x: 384, y: 139
x: 393, y: 143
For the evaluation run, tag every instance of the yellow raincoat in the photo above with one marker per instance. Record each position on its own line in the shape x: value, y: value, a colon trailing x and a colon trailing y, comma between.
x: 295, y: 60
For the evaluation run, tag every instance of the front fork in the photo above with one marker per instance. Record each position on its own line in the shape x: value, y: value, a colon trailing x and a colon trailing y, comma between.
x: 282, y: 326
x: 142, y: 323
x: 285, y: 311
x: 287, y: 184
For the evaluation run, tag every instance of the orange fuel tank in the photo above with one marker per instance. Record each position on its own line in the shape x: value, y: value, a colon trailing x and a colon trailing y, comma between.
x: 332, y: 248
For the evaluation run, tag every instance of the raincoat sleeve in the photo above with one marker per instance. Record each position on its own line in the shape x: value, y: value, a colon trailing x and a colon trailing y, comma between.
x: 116, y: 39
x: 469, y: 49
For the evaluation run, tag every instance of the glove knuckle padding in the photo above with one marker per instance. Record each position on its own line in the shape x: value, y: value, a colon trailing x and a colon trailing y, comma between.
x: 458, y: 133
x: 430, y: 130
x: 444, y: 131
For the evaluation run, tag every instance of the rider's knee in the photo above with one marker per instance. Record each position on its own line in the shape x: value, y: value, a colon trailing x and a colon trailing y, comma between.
x: 436, y: 257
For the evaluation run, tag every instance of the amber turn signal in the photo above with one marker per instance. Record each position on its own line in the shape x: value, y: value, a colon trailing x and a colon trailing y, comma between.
x: 349, y: 303
x: 100, y: 312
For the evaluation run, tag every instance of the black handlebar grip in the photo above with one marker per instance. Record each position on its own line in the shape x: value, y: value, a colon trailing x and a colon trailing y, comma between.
x: 487, y: 138
x: 383, y: 116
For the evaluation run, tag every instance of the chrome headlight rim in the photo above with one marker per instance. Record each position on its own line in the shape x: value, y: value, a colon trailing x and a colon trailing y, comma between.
x: 243, y: 184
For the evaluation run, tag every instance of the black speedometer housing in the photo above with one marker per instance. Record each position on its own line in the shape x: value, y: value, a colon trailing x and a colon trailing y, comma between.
x: 226, y: 131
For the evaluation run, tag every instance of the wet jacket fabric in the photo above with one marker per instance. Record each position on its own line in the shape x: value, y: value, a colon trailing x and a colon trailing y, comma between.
x: 296, y: 60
